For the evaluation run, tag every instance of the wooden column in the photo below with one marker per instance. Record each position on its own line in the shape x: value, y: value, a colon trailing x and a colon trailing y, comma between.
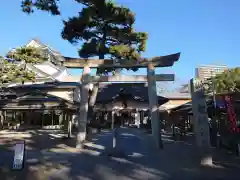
x: 141, y: 118
x: 21, y: 117
x: 114, y: 131
x: 69, y: 125
x: 52, y: 117
x: 61, y: 118
x: 4, y: 115
x: 1, y: 119
x: 65, y: 121
x: 42, y: 118
x: 113, y: 113
x: 137, y: 118
x: 12, y: 115
x: 82, y: 120
x: 153, y: 106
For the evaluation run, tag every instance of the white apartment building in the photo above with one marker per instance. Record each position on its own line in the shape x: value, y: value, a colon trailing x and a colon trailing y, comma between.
x: 208, y: 71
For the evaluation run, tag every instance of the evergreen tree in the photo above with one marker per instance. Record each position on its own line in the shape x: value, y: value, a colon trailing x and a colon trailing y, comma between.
x: 27, y: 55
x: 51, y: 6
x: 102, y: 26
x: 12, y: 72
x: 106, y: 30
x: 226, y: 82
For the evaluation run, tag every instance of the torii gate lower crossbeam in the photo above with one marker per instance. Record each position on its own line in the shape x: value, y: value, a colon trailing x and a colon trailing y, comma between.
x: 153, y: 103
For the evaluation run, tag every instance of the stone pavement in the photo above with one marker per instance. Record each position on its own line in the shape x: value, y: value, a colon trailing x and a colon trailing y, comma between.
x: 142, y: 161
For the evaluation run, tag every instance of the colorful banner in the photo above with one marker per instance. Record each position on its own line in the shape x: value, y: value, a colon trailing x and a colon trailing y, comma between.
x: 231, y: 114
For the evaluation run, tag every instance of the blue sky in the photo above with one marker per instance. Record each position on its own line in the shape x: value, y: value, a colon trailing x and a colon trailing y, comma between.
x: 206, y: 31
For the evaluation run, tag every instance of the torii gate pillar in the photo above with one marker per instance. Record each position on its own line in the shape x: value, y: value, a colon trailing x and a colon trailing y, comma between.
x: 82, y: 120
x: 153, y: 106
x: 161, y: 61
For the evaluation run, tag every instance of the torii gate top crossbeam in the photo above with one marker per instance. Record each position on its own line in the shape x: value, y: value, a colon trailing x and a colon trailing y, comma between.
x: 132, y: 78
x: 161, y: 61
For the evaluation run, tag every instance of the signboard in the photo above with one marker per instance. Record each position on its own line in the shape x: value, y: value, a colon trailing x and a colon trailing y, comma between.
x: 18, y: 160
x: 199, y: 107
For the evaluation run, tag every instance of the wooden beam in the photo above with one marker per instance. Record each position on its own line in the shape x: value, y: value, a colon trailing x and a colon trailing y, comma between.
x: 131, y: 78
x: 161, y: 61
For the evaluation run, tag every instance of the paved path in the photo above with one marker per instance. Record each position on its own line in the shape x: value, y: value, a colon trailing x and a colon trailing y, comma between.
x: 142, y: 161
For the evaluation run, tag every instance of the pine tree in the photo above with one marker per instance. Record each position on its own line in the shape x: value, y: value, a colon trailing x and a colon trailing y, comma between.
x: 106, y: 30
x: 27, y: 55
x: 11, y: 72
x: 51, y: 6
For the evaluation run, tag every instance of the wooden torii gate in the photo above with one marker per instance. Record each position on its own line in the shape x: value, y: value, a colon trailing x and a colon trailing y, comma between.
x: 151, y: 78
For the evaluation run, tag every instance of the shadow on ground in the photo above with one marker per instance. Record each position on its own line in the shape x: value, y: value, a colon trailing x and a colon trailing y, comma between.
x: 49, y: 156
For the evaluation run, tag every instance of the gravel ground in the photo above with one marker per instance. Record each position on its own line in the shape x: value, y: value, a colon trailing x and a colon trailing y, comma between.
x: 140, y: 161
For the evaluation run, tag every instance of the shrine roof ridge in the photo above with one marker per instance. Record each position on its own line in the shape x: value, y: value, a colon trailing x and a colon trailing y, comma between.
x: 137, y: 92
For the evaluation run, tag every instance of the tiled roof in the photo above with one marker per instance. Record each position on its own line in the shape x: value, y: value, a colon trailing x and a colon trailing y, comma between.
x: 37, y: 70
x: 35, y: 100
x: 47, y: 85
x: 175, y: 95
x: 136, y: 91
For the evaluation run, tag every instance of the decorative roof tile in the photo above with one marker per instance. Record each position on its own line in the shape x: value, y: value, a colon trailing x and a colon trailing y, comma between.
x: 135, y: 91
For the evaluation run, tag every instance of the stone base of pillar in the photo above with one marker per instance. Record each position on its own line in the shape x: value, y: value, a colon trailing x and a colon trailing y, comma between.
x: 80, y: 146
x: 206, y: 161
x: 80, y: 140
x: 204, y: 156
